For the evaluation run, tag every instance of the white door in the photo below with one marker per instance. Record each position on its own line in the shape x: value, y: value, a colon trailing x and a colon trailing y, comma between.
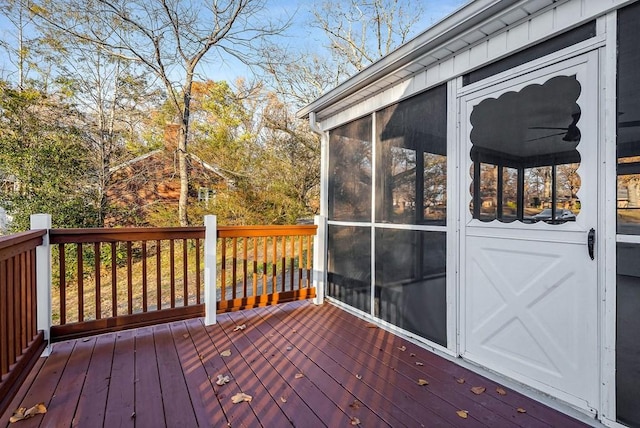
x: 529, y: 203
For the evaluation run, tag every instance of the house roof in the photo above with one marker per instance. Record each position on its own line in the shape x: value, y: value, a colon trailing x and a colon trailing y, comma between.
x: 468, y: 25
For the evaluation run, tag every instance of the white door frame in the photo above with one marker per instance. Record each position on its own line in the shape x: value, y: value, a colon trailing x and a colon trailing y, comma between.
x: 588, y: 48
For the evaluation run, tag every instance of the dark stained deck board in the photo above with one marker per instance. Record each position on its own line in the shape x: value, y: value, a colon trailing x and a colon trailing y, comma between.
x: 207, y: 409
x: 329, y: 376
x: 93, y: 399
x: 149, y: 412
x: 376, y: 369
x: 121, y: 400
x: 165, y: 376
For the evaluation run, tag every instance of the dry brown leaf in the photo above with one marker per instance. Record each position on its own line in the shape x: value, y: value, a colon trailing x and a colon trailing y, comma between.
x: 460, y: 380
x: 23, y: 413
x: 418, y: 363
x: 240, y: 397
x: 355, y: 405
x: 463, y: 413
x: 294, y: 331
x: 186, y: 335
x: 240, y: 327
x: 501, y: 391
x: 412, y: 354
x: 423, y: 382
x: 402, y: 348
x: 86, y: 339
x: 355, y: 421
x: 478, y: 390
x: 299, y: 376
x: 371, y: 326
x: 222, y: 380
x: 521, y: 410
x: 358, y: 376
x: 226, y: 353
x: 284, y: 400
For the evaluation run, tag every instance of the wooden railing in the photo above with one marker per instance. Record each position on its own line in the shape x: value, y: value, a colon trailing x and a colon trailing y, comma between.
x: 20, y: 341
x: 111, y: 279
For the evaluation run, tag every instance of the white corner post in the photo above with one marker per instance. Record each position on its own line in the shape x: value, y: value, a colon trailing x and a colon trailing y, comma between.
x: 43, y: 276
x: 320, y: 259
x: 210, y: 269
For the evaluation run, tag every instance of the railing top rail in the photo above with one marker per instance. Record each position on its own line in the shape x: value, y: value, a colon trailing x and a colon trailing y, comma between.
x: 262, y: 231
x: 65, y: 236
x: 13, y: 244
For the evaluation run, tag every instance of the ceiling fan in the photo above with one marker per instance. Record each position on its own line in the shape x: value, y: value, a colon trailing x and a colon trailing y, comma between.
x: 571, y: 133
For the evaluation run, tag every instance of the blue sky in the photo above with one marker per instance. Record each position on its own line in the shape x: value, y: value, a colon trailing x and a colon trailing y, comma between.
x: 301, y: 36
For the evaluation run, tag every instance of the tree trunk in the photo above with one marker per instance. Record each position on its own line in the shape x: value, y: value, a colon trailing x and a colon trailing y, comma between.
x: 184, y: 175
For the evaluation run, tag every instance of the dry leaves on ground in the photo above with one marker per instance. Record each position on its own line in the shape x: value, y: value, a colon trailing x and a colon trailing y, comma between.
x: 241, y: 397
x: 418, y: 363
x: 355, y: 421
x: 355, y: 405
x: 240, y: 327
x: 226, y: 353
x: 358, y: 376
x: 464, y: 414
x: 24, y: 413
x: 501, y: 391
x: 284, y: 400
x: 402, y: 348
x: 298, y: 376
x: 521, y: 410
x: 478, y: 390
x: 423, y: 382
x: 222, y: 380
x: 460, y: 380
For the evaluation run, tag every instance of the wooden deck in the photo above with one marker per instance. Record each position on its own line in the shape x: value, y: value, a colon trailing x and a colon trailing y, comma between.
x: 304, y: 366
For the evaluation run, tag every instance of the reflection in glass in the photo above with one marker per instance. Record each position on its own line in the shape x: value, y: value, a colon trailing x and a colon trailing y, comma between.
x: 525, y: 156
x: 350, y: 171
x: 349, y: 265
x: 628, y: 130
x: 628, y: 326
x: 411, y: 281
x: 411, y: 164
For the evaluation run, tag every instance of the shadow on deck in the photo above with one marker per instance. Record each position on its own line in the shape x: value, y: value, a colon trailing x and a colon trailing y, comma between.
x: 303, y: 365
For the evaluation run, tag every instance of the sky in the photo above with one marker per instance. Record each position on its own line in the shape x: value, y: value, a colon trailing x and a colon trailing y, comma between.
x: 300, y: 35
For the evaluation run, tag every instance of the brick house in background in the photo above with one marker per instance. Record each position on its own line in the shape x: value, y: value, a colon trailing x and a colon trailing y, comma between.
x: 152, y: 181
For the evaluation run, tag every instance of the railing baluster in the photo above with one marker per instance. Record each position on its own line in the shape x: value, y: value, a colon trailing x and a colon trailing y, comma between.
x: 80, y: 283
x: 63, y: 285
x: 245, y: 270
x: 198, y: 283
x: 96, y: 250
x: 223, y: 270
x: 114, y: 281
x: 144, y: 276
x: 5, y: 319
x: 234, y: 267
x: 274, y: 269
x: 158, y: 275
x: 292, y: 263
x: 300, y: 262
x: 264, y: 265
x: 309, y: 247
x: 284, y: 263
x: 21, y: 264
x: 129, y: 279
x: 255, y: 267
x: 185, y: 284
x: 11, y: 313
x: 172, y: 270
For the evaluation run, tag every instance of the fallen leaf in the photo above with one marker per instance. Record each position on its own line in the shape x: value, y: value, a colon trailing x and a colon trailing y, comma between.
x: 501, y: 391
x: 371, y: 326
x: 240, y: 397
x: 478, y: 390
x: 133, y: 415
x: 358, y: 376
x: 240, y: 327
x: 299, y: 376
x: 418, y: 363
x: 23, y: 413
x: 423, y: 382
x: 226, y: 353
x: 186, y: 335
x: 521, y: 410
x: 355, y: 405
x: 412, y: 354
x: 460, y: 380
x: 294, y: 331
x: 86, y: 339
x: 402, y: 348
x: 355, y: 421
x: 289, y: 348
x: 463, y: 413
x: 284, y: 400
x: 222, y: 380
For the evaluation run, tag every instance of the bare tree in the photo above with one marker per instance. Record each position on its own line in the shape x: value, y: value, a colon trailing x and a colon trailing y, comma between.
x: 171, y: 39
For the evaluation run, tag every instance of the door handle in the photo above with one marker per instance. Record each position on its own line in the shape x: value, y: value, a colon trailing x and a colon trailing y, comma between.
x: 591, y: 242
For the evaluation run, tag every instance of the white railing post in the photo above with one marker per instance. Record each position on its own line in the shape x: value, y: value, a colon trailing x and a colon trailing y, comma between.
x: 320, y: 258
x: 43, y: 276
x: 210, y: 269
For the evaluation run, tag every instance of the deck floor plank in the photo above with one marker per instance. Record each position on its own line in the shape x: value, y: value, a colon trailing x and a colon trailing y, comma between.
x: 120, y: 407
x: 149, y: 409
x: 207, y: 409
x: 93, y: 399
x: 164, y: 376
